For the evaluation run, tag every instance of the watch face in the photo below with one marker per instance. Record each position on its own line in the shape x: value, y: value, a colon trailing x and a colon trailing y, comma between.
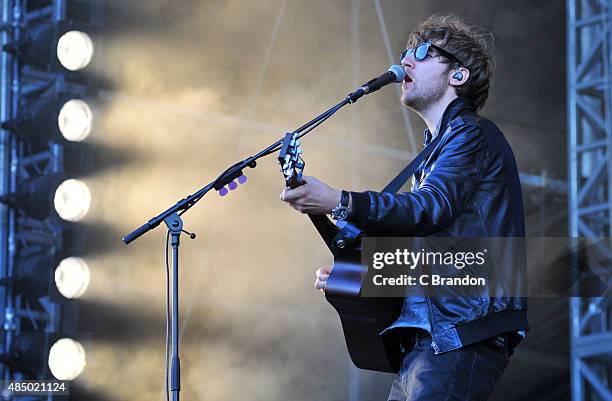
x: 340, y: 213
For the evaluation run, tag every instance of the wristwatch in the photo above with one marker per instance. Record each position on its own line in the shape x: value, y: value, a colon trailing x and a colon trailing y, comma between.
x: 341, y: 210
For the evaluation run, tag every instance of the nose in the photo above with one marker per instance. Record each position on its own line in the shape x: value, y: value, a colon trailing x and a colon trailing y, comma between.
x: 408, y: 60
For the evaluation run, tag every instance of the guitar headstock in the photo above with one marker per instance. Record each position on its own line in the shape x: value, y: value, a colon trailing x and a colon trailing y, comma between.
x: 292, y: 164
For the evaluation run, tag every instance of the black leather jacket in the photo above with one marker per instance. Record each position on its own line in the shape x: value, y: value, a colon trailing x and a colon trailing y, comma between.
x: 468, y: 187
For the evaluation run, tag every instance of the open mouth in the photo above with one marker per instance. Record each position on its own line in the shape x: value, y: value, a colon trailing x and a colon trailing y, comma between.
x: 407, y: 80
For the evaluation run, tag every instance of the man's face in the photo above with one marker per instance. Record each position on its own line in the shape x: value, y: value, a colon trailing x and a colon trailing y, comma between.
x: 426, y: 80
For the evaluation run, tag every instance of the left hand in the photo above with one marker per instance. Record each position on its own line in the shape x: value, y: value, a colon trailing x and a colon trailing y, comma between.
x: 314, y: 197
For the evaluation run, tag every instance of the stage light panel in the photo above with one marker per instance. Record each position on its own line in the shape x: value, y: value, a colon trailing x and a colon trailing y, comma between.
x: 72, y: 200
x: 62, y: 118
x: 72, y: 277
x: 67, y: 359
x: 75, y: 50
x: 75, y: 120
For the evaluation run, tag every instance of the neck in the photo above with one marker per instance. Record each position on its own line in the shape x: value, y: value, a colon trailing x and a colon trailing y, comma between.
x: 433, y: 113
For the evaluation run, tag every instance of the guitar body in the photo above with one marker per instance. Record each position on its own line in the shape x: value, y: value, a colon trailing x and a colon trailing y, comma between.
x: 362, y: 318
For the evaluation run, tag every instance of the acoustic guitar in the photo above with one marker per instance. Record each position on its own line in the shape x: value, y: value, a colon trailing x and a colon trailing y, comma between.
x: 362, y: 318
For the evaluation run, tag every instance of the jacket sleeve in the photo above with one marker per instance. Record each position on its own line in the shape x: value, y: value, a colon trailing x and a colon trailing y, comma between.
x: 443, y: 193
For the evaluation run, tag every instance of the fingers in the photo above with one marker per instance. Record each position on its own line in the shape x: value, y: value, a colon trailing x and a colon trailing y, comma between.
x: 322, y: 276
x: 313, y: 197
x: 324, y: 270
x: 297, y: 198
x: 291, y: 195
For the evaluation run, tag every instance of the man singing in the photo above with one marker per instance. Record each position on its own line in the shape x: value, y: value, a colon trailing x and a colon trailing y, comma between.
x: 456, y: 348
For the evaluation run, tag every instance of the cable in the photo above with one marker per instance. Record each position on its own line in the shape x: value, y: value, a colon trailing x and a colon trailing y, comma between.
x: 385, y: 35
x: 266, y: 62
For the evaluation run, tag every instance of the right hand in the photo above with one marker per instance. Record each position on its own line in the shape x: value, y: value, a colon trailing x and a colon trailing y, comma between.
x: 322, y: 276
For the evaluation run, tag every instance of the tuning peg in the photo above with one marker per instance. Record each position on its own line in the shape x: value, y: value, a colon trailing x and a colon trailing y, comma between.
x: 223, y: 191
x: 242, y: 179
x: 232, y: 185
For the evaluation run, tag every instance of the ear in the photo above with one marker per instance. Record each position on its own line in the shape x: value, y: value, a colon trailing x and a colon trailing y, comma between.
x: 458, y: 76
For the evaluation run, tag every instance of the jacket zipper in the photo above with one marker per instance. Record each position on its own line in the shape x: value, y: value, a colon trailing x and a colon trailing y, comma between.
x: 431, y: 323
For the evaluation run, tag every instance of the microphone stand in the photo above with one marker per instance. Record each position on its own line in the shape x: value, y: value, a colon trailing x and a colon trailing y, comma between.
x: 172, y: 218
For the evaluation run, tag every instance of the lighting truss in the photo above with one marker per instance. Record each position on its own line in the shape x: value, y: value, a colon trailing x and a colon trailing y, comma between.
x: 32, y: 246
x: 590, y: 177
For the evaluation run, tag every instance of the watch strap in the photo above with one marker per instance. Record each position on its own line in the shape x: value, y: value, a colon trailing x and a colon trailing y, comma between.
x: 344, y: 198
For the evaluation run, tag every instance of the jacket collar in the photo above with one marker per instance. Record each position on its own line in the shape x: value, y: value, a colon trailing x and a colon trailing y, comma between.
x: 454, y: 109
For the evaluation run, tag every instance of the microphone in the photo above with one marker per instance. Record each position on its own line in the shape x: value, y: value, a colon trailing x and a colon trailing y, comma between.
x: 394, y: 74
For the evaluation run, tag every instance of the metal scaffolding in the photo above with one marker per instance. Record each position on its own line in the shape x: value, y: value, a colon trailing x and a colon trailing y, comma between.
x: 589, y: 58
x: 31, y: 245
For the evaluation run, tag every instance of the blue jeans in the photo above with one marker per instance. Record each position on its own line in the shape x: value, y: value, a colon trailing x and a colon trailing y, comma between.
x: 465, y: 374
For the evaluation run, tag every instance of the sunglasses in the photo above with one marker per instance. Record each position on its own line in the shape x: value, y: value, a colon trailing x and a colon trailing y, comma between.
x: 421, y: 51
